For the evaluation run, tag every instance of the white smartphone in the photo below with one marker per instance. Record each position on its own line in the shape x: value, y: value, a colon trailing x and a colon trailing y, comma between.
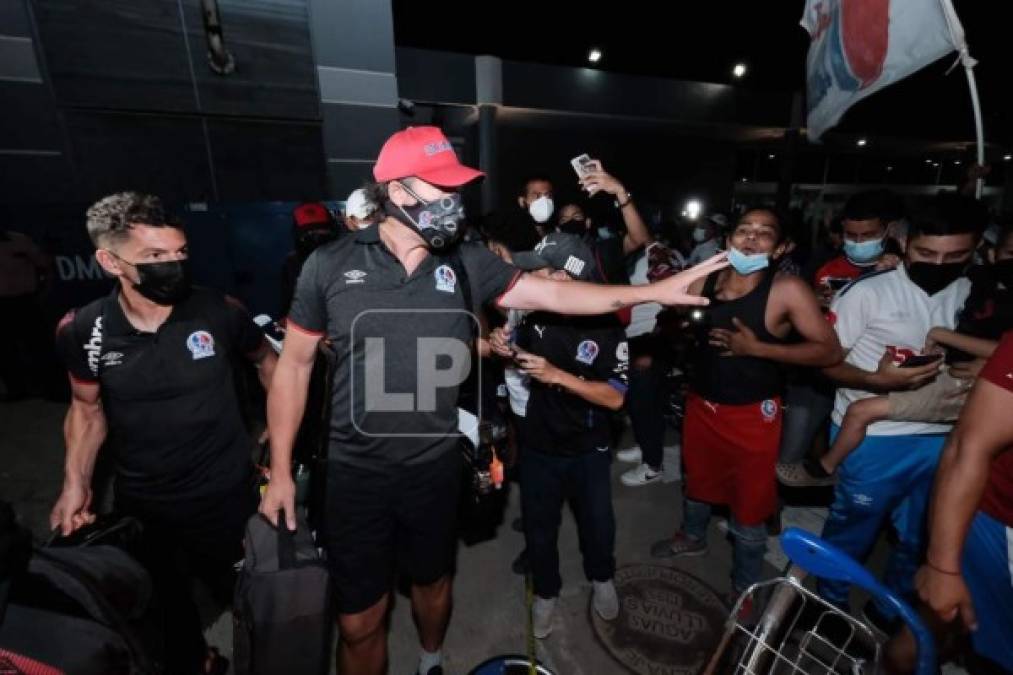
x: 583, y: 165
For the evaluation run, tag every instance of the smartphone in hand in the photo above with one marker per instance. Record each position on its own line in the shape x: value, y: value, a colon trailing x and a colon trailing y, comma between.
x: 920, y: 360
x: 583, y: 165
x: 837, y: 283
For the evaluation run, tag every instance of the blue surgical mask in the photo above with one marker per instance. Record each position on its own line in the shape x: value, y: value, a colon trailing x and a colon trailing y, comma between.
x: 863, y: 252
x: 747, y: 264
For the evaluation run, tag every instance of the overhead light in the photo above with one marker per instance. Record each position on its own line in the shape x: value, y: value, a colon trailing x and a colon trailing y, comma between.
x: 1007, y: 158
x: 745, y: 180
x: 739, y: 70
x: 889, y: 168
x: 693, y: 209
x: 770, y: 156
x: 936, y: 164
x: 862, y: 142
x: 957, y: 162
x: 928, y: 161
x: 594, y: 56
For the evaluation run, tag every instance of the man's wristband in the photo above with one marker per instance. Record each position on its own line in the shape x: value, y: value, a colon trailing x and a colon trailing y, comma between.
x: 629, y: 200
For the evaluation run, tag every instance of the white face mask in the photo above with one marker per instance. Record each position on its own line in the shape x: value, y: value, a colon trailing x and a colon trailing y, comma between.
x: 699, y: 234
x: 542, y: 209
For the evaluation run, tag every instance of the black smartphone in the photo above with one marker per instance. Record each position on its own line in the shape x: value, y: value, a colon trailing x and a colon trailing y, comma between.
x: 837, y: 283
x: 920, y: 360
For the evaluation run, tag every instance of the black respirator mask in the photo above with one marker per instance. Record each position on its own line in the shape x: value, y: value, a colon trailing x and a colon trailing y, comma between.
x: 439, y: 222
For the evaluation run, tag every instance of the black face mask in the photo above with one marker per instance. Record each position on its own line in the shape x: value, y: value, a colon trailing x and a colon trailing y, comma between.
x: 933, y: 278
x: 438, y: 222
x: 577, y: 227
x: 1002, y: 272
x: 164, y: 283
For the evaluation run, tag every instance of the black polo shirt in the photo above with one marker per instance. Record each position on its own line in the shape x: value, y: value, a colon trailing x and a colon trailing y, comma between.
x: 396, y: 337
x: 594, y: 348
x: 169, y: 398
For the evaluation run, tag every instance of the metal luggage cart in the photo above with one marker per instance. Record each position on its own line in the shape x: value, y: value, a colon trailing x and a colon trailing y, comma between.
x: 779, y: 627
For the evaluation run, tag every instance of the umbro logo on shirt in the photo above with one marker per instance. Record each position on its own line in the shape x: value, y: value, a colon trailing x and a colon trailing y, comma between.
x: 112, y: 359
x: 355, y: 277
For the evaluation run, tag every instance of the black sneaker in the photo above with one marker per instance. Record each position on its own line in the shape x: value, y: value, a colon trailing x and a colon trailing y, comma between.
x: 520, y: 564
x: 886, y: 627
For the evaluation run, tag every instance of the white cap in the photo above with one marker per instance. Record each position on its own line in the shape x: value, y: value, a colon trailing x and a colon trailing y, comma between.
x: 358, y: 205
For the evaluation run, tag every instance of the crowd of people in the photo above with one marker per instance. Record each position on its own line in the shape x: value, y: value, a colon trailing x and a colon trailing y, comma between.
x: 881, y: 342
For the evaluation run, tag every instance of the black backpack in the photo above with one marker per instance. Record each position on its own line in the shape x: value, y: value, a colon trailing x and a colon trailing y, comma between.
x: 74, y: 610
x: 282, y: 607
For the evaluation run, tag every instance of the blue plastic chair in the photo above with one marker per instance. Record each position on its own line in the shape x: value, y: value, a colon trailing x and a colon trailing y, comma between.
x: 819, y: 558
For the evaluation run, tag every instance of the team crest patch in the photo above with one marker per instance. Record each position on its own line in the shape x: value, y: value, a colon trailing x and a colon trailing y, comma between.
x: 769, y: 410
x: 201, y: 344
x: 623, y: 351
x: 587, y: 352
x: 446, y: 280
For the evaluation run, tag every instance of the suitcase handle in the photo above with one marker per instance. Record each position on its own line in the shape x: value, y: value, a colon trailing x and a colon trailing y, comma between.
x: 286, y: 543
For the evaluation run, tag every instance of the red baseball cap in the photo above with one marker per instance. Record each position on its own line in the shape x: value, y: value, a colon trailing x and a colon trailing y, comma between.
x: 423, y: 152
x: 311, y: 214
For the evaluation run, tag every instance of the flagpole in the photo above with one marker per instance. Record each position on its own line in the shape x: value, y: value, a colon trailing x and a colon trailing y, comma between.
x: 979, y: 128
x: 960, y: 43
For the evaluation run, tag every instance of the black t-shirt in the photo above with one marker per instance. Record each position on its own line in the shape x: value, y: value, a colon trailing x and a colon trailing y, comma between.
x: 398, y: 339
x: 169, y: 399
x: 592, y: 348
x: 611, y: 258
x: 987, y: 312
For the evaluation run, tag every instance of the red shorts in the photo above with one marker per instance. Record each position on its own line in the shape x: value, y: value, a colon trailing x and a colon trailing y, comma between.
x: 730, y: 453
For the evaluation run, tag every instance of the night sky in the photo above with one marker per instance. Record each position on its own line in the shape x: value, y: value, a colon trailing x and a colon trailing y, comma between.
x: 702, y: 41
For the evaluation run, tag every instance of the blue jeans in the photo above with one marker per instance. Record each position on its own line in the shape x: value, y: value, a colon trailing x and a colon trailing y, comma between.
x: 547, y: 481
x: 749, y: 547
x: 885, y: 477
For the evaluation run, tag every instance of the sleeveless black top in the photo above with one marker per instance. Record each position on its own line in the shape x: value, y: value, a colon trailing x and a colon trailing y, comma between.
x: 736, y: 380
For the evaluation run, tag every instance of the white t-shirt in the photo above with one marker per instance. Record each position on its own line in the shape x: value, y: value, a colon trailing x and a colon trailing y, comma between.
x: 518, y: 384
x: 643, y: 316
x: 889, y: 311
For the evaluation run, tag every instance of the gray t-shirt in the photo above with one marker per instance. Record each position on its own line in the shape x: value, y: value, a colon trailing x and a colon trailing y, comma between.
x: 400, y: 342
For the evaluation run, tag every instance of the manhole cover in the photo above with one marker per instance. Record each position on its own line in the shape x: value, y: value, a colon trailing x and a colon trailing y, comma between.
x: 669, y: 622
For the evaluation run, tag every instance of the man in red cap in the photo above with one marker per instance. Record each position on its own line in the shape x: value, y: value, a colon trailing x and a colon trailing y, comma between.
x: 312, y: 226
x: 395, y: 301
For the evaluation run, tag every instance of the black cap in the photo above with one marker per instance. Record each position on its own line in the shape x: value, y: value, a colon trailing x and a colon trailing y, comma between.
x: 561, y: 251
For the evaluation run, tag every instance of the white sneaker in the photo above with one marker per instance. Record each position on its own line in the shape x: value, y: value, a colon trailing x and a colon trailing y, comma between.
x: 641, y: 475
x: 630, y: 455
x: 541, y: 616
x: 605, y: 600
